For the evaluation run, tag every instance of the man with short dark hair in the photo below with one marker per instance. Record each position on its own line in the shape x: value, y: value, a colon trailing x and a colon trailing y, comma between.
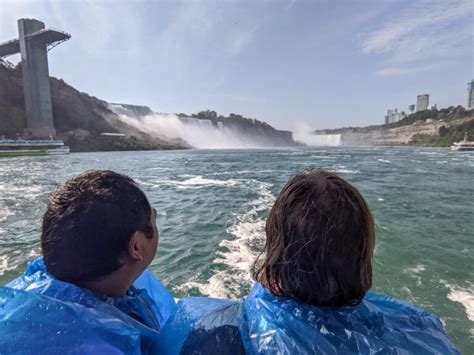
x: 99, y: 235
x: 99, y: 231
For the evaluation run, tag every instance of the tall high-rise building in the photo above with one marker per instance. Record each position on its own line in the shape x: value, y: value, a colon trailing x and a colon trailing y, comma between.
x: 422, y: 102
x: 411, y: 108
x: 470, y: 94
x: 394, y: 116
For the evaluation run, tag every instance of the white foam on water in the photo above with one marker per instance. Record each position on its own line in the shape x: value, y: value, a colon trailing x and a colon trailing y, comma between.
x: 28, y: 190
x: 415, y: 272
x: 197, y: 182
x: 7, y: 264
x: 380, y: 199
x: 237, y: 254
x: 384, y: 161
x: 344, y: 171
x: 4, y: 265
x: 430, y: 153
x: 381, y: 226
x: 160, y: 168
x: 464, y: 296
x: 416, y: 269
x: 5, y: 213
x: 241, y: 172
x: 145, y: 183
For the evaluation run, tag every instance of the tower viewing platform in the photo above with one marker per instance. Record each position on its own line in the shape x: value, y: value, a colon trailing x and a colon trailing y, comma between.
x: 47, y: 36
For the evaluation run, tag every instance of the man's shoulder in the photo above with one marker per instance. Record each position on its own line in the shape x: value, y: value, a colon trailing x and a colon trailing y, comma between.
x: 31, y: 321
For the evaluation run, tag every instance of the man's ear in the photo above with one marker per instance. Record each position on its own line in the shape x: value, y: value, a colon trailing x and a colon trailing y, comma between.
x: 136, y: 247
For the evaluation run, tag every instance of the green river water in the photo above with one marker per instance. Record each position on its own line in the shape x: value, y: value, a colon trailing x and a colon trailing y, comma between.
x: 212, y: 206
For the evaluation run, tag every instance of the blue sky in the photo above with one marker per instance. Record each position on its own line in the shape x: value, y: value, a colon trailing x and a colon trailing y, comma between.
x: 326, y: 64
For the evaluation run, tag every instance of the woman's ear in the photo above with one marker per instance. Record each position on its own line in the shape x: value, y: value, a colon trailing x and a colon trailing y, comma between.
x: 136, y: 246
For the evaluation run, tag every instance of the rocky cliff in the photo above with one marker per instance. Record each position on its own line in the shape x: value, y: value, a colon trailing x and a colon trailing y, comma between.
x: 425, y: 128
x: 79, y: 118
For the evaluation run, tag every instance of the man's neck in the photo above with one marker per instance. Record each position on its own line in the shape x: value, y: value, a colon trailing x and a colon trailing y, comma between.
x: 115, y: 284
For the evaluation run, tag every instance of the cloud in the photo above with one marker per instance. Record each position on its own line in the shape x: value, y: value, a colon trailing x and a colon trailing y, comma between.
x: 425, y: 32
x: 239, y: 41
x: 419, y: 20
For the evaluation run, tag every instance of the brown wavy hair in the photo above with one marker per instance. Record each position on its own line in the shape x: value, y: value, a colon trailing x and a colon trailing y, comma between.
x: 320, y: 241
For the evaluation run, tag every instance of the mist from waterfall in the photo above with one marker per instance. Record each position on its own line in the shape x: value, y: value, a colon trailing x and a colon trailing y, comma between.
x: 198, y: 133
x: 304, y: 133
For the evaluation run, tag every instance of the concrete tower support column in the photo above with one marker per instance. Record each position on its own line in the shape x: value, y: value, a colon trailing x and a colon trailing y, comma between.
x: 34, y: 65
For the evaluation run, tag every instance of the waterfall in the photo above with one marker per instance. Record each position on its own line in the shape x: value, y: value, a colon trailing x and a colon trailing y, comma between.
x: 304, y: 133
x: 205, y: 123
x: 325, y: 140
x: 201, y: 133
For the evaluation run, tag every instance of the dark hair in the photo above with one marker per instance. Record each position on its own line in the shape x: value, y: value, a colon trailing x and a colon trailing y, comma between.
x: 88, y: 224
x: 320, y: 241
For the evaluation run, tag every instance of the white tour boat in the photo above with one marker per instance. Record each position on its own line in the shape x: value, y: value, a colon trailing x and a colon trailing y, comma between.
x: 27, y: 147
x: 463, y: 145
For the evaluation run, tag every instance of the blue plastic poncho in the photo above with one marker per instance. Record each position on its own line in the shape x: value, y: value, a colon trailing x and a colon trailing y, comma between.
x: 266, y: 324
x: 203, y: 326
x: 379, y: 324
x: 40, y: 314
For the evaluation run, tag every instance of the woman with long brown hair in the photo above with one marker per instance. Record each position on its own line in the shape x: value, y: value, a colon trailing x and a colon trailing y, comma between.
x: 311, y: 295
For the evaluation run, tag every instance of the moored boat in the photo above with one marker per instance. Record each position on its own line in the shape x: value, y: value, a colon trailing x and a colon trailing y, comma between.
x: 25, y: 147
x: 463, y: 145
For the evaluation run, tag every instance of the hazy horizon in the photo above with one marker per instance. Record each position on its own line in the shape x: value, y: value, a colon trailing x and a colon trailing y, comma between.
x: 288, y: 63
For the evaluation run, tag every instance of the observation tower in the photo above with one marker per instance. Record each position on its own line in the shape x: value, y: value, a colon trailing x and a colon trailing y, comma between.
x: 33, y: 43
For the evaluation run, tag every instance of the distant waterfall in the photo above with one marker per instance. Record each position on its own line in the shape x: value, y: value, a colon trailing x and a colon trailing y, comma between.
x: 199, y: 133
x: 325, y: 139
x: 197, y: 122
x: 203, y: 133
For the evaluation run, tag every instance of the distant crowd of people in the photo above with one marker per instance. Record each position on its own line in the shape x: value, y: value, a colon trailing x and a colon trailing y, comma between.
x: 91, y: 292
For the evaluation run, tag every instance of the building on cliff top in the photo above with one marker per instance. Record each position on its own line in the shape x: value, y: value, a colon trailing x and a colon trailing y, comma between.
x: 422, y: 102
x: 394, y: 116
